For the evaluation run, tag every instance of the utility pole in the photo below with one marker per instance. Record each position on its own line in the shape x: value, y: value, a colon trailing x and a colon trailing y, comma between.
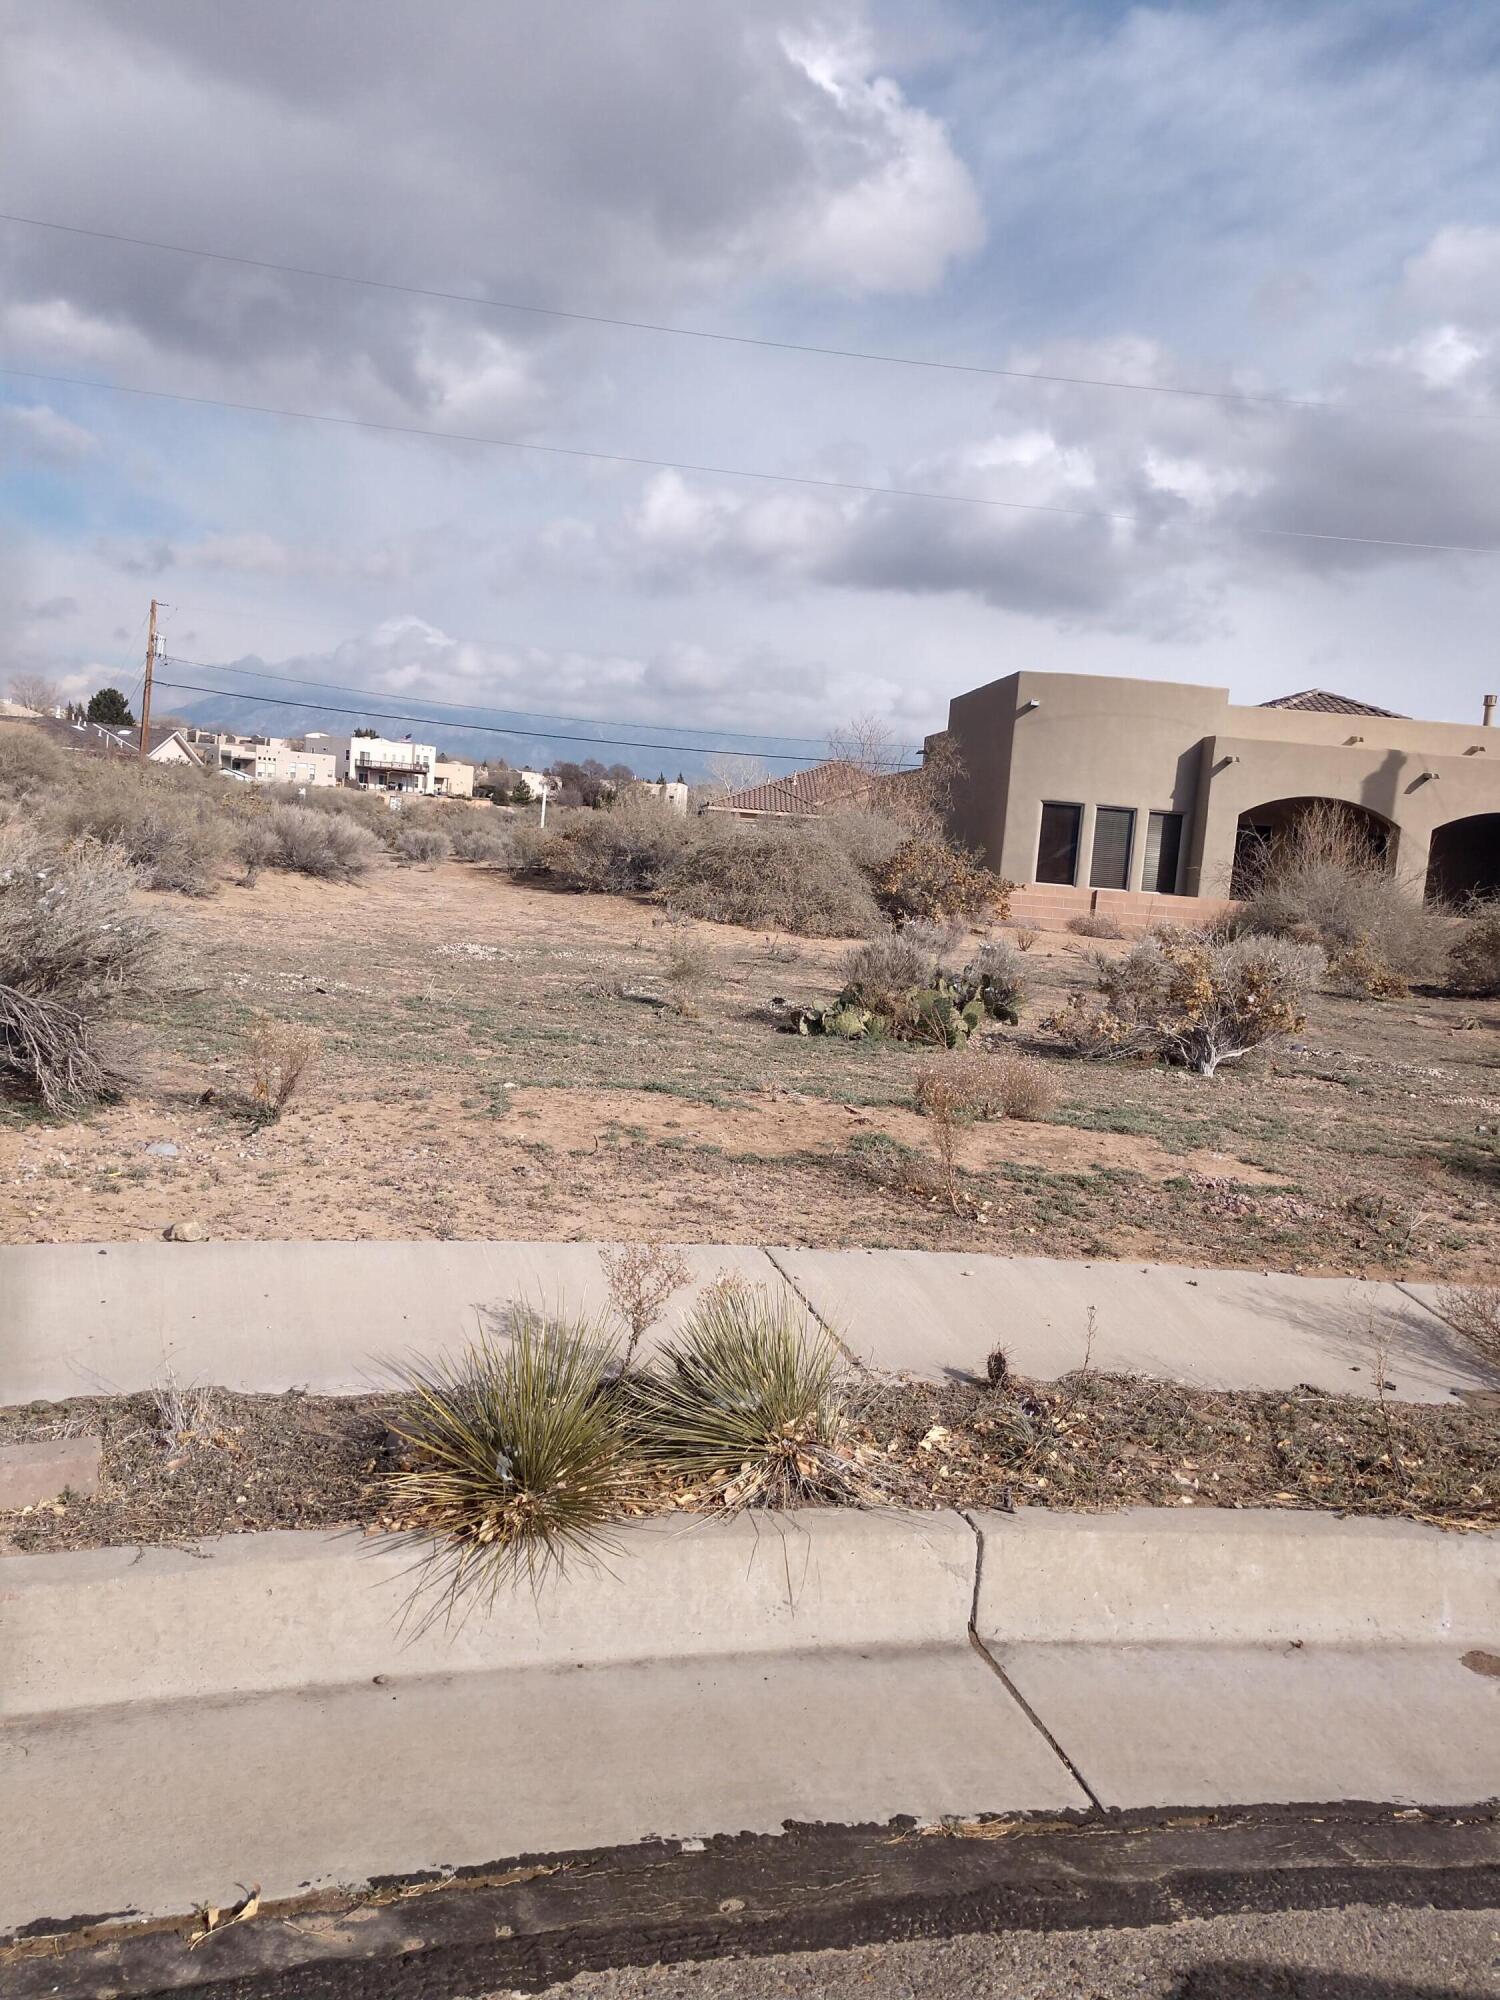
x: 146, y: 685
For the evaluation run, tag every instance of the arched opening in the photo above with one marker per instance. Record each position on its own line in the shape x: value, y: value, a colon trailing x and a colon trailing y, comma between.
x: 1268, y: 826
x: 1464, y: 859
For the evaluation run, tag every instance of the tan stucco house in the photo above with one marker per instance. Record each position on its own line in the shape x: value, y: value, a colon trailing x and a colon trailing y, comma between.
x: 1097, y: 789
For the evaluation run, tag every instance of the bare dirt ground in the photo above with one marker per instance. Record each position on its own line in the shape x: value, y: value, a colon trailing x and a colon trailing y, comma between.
x: 491, y: 1069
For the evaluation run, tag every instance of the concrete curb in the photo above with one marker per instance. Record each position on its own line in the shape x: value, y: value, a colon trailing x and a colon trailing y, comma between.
x: 182, y: 1720
x: 249, y: 1614
x: 88, y: 1319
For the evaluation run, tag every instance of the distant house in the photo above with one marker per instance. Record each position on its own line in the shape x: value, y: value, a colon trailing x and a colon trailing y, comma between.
x: 385, y: 764
x: 802, y: 795
x: 168, y: 743
x: 539, y: 784
x: 452, y: 778
x: 274, y: 760
x: 672, y: 794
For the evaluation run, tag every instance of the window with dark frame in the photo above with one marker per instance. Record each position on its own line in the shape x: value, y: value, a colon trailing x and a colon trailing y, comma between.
x: 1163, y: 853
x: 1114, y: 830
x: 1057, y: 850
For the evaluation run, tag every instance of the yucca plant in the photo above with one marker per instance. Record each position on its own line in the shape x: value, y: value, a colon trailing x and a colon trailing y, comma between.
x: 746, y: 1401
x: 514, y: 1456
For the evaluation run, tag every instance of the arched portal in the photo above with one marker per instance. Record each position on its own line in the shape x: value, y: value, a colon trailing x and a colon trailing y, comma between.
x: 1464, y: 859
x: 1267, y: 826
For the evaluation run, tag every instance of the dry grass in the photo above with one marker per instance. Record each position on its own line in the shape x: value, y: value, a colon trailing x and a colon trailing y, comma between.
x: 1475, y: 1311
x: 640, y: 1278
x: 1021, y: 1087
x: 1094, y: 924
x: 277, y: 1055
x: 687, y: 968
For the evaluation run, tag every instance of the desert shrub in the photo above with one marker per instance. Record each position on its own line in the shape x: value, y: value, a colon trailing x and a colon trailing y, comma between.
x: 1025, y: 937
x: 1196, y: 998
x: 168, y: 824
x: 531, y: 847
x: 256, y: 845
x: 29, y: 761
x: 997, y: 969
x: 331, y: 846
x: 927, y: 876
x: 640, y: 1278
x: 1020, y: 1087
x: 1474, y: 956
x: 968, y: 1086
x: 72, y: 951
x: 277, y: 1056
x: 514, y: 1456
x: 883, y: 974
x: 1475, y: 1311
x: 346, y: 802
x: 1320, y: 881
x: 687, y: 968
x: 480, y: 843
x: 869, y: 838
x: 746, y: 1402
x: 622, y: 849
x: 425, y: 844
x: 769, y: 877
x: 1094, y: 924
x: 1355, y: 971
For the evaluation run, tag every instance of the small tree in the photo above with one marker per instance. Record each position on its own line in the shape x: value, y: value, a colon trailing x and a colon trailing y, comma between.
x: 36, y: 692
x: 110, y: 707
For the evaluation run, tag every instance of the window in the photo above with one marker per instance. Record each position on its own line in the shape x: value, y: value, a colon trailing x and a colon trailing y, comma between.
x: 1163, y: 850
x: 1114, y: 829
x: 1057, y: 852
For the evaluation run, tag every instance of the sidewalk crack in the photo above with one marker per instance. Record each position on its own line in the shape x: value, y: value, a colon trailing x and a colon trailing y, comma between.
x: 1009, y: 1685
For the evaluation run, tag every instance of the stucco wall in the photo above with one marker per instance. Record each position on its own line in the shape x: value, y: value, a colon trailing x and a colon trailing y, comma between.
x: 1158, y: 746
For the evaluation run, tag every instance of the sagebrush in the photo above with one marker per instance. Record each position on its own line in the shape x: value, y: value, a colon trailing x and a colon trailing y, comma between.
x: 73, y: 950
x: 1197, y: 998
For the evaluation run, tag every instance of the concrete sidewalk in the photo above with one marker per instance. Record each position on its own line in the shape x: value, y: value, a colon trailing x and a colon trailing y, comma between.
x: 81, y: 1319
x: 176, y: 1722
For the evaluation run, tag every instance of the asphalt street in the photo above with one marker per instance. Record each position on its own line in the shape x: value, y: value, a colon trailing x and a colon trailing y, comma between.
x: 1359, y: 1953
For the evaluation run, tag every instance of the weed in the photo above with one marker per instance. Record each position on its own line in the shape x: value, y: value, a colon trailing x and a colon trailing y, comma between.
x: 640, y: 1278
x: 277, y: 1056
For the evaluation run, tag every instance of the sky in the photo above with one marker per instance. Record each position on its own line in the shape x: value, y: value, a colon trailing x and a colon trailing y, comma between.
x: 1296, y: 207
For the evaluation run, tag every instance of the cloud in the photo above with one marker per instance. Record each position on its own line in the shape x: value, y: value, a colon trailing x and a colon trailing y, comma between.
x: 50, y: 608
x: 676, y: 149
x: 36, y: 432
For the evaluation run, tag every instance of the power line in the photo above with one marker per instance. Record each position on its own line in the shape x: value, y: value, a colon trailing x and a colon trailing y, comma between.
x: 482, y: 728
x: 725, y: 471
x: 493, y: 708
x: 1251, y: 396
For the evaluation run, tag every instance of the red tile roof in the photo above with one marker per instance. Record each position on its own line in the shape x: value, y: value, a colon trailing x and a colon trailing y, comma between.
x: 803, y: 794
x: 1319, y: 701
